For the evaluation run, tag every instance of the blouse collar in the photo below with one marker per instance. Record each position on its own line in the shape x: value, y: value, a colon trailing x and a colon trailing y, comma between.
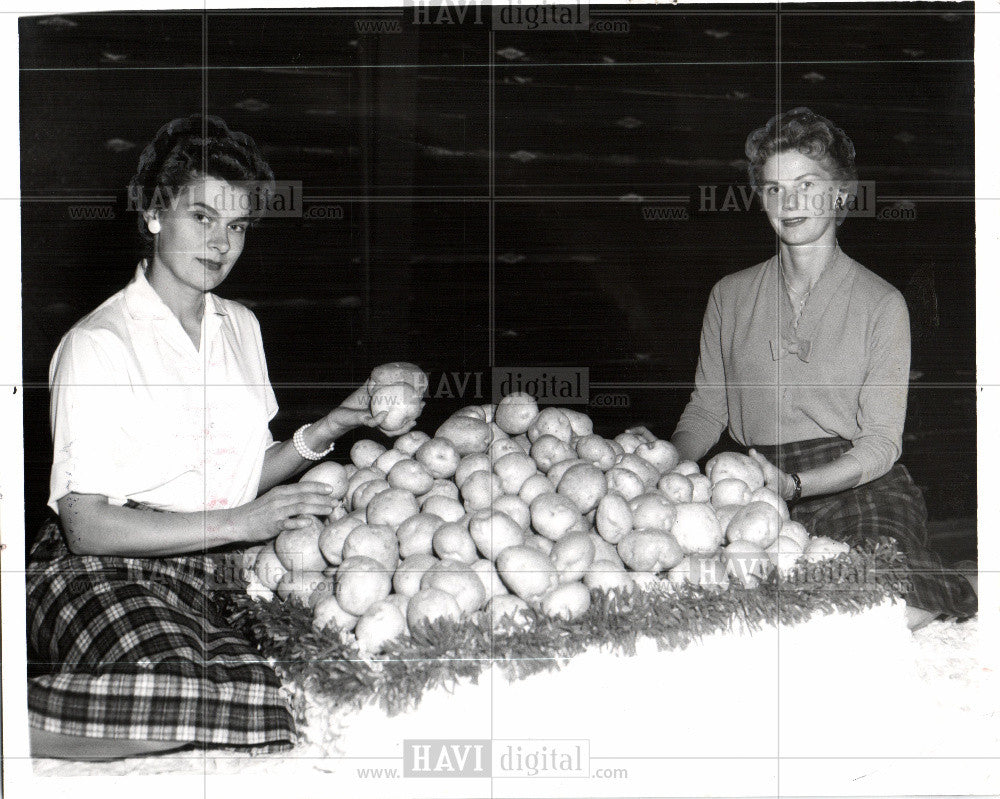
x: 143, y: 302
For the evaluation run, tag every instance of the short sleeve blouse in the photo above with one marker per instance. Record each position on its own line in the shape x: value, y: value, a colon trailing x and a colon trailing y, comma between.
x: 139, y: 413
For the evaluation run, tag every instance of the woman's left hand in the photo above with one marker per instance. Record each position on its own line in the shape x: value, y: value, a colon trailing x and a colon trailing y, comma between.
x: 775, y: 479
x: 358, y: 400
x: 353, y: 412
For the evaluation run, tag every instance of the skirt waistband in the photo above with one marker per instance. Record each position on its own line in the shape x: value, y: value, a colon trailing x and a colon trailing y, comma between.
x: 797, y: 456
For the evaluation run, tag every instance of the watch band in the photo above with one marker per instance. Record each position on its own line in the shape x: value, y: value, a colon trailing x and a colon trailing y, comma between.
x: 797, y: 493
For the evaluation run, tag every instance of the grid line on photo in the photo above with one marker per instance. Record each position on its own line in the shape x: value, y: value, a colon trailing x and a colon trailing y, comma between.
x: 496, y: 201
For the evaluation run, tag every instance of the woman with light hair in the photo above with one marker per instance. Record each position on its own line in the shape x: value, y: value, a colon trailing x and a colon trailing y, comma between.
x: 805, y: 359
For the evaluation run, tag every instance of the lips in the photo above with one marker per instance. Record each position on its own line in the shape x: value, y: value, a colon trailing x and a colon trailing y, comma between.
x: 215, y: 266
x: 793, y: 221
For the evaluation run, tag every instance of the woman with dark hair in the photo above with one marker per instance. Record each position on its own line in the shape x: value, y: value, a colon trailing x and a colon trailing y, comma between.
x: 806, y: 358
x: 160, y: 403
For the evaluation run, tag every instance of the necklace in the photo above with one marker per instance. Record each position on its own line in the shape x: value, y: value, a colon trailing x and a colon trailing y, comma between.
x: 798, y: 300
x: 799, y: 297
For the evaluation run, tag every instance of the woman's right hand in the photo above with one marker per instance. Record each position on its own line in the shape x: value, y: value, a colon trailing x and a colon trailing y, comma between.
x: 282, y: 508
x: 642, y: 432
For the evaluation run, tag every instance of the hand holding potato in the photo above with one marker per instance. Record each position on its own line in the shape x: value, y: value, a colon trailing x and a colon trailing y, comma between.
x: 775, y: 479
x: 643, y: 432
x: 287, y: 507
x: 356, y: 411
x: 396, y: 392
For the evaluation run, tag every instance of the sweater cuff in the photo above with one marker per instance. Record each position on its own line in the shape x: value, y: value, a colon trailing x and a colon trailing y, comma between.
x: 875, y: 459
x: 704, y: 428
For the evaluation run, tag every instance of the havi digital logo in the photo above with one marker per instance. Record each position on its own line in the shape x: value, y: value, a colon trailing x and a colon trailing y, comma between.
x: 447, y: 758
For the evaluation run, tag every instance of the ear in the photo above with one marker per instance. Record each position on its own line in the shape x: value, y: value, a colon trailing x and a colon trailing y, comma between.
x: 844, y: 195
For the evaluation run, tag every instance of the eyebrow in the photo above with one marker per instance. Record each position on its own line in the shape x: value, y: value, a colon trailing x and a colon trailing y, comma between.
x: 806, y: 175
x: 210, y: 209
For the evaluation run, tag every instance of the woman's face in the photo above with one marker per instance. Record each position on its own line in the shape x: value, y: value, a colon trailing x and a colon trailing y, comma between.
x: 800, y: 197
x: 202, y: 232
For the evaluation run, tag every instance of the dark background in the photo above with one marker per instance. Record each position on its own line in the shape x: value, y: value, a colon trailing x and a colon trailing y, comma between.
x: 481, y: 176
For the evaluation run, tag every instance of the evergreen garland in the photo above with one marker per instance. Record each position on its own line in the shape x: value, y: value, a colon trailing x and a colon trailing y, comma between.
x: 327, y: 666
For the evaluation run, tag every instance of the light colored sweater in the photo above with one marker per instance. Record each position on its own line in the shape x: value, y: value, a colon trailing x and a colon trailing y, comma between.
x: 843, y: 372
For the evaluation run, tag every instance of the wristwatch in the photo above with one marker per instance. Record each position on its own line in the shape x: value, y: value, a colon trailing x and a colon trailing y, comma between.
x: 797, y: 493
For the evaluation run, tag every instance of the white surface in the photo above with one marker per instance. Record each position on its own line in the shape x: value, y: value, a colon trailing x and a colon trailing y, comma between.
x: 793, y: 689
x: 943, y: 743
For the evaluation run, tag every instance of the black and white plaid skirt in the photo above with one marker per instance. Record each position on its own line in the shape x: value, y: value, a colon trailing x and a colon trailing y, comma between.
x: 135, y: 648
x: 892, y: 506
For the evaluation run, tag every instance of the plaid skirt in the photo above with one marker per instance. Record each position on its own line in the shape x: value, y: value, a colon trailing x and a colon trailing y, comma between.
x: 135, y: 648
x: 892, y: 506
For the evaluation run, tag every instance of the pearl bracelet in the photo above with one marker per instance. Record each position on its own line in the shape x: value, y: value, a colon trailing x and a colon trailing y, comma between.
x: 299, y: 442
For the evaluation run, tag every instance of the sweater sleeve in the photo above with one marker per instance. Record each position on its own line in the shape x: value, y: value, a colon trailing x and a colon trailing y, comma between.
x: 706, y: 414
x: 882, y: 400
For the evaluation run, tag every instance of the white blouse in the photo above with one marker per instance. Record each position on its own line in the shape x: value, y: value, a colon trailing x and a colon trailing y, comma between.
x: 138, y: 413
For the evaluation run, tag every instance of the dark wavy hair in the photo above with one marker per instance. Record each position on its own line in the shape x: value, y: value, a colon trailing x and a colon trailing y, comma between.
x: 190, y: 147
x: 810, y: 134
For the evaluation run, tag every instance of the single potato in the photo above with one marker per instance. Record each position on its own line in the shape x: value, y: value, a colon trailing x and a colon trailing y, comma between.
x: 596, y: 450
x: 553, y: 515
x: 365, y: 452
x: 662, y: 455
x: 676, y: 487
x: 506, y: 611
x: 696, y: 528
x: 410, y: 572
x: 331, y: 473
x: 614, y: 517
x: 467, y: 435
x: 515, y: 413
x: 416, y: 534
x: 607, y: 575
x: 551, y: 422
x: 493, y: 531
x: 329, y: 614
x: 572, y: 555
x: 299, y: 549
x: 585, y: 485
x: 453, y: 542
x: 392, y: 507
x: 379, y: 625
x: 654, y: 511
x: 730, y: 491
x: 269, y: 568
x: 759, y: 523
x: 650, y: 550
x: 439, y: 457
x: 569, y: 601
x: 429, y: 605
x: 735, y: 464
x: 409, y: 443
x: 625, y: 482
x: 377, y: 542
x: 526, y: 572
x: 361, y: 582
x: 459, y: 580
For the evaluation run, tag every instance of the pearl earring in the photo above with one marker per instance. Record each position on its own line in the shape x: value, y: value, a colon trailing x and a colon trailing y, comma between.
x: 154, y: 226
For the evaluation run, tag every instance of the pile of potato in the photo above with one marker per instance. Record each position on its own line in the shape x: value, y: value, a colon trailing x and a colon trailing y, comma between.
x: 509, y: 507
